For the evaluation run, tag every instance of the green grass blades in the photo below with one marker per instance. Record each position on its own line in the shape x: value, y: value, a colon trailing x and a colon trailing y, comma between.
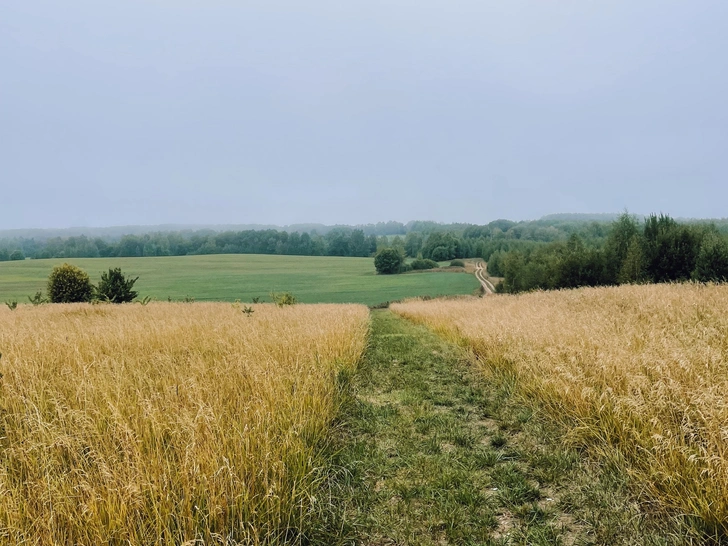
x: 418, y: 450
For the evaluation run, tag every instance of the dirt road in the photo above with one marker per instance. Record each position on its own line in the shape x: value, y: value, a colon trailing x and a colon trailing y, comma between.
x: 480, y: 274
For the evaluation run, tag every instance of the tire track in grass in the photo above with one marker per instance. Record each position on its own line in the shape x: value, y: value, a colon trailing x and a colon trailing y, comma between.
x: 481, y: 275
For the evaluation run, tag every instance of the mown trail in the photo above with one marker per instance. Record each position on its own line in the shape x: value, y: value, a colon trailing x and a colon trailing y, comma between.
x: 432, y: 459
x: 433, y: 453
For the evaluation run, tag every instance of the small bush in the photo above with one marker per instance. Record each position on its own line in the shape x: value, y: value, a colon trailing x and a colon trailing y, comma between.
x: 69, y: 284
x: 457, y: 263
x: 388, y: 261
x: 420, y: 264
x: 12, y: 304
x: 115, y: 288
x: 17, y: 255
x: 284, y: 298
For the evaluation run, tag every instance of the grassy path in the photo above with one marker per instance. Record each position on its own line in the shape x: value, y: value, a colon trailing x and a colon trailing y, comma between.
x: 435, y: 455
x: 430, y: 462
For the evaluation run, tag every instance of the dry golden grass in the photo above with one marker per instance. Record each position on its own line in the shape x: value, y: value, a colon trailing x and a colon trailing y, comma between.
x: 638, y: 371
x: 169, y: 422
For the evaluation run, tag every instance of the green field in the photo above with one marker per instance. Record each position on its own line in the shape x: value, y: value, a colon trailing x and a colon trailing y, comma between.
x: 234, y: 276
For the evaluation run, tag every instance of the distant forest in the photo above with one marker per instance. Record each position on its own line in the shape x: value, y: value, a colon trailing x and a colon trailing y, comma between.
x: 448, y: 241
x: 558, y: 251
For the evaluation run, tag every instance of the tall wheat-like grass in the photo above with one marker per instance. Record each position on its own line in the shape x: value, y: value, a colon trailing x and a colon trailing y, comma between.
x: 167, y: 423
x: 640, y: 371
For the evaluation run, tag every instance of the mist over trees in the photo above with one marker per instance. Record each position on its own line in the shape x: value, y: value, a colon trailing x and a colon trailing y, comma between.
x: 337, y: 242
x: 410, y: 238
x: 561, y: 251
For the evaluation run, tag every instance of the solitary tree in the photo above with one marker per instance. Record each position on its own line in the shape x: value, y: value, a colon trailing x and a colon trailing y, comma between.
x: 116, y: 288
x: 69, y: 284
x: 388, y: 261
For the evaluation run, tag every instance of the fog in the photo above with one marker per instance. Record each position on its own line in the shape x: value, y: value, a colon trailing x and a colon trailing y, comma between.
x: 150, y: 112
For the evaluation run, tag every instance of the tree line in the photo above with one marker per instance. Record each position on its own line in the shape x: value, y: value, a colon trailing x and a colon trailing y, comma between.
x: 658, y: 249
x: 424, y: 239
x: 434, y: 240
x: 555, y: 252
x: 339, y: 242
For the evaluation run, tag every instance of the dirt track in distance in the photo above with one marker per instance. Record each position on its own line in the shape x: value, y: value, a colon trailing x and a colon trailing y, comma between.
x: 481, y: 275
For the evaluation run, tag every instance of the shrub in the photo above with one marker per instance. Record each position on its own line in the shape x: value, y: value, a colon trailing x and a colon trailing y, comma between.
x: 17, y: 255
x: 284, y: 298
x: 116, y: 288
x: 421, y: 263
x: 457, y: 263
x: 388, y: 261
x: 69, y: 284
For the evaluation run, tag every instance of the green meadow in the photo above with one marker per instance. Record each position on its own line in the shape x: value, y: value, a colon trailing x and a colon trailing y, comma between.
x: 228, y: 277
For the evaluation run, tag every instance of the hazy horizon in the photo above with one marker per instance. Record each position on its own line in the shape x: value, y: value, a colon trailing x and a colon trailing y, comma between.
x: 283, y: 113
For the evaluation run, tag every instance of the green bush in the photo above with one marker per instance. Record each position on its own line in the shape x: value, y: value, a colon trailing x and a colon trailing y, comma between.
x: 457, y: 263
x: 283, y: 298
x: 388, y: 261
x: 115, y: 288
x: 17, y: 255
x: 421, y: 263
x: 69, y: 284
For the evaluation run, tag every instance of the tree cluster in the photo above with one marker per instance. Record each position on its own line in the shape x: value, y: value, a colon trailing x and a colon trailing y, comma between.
x: 654, y: 251
x: 70, y: 284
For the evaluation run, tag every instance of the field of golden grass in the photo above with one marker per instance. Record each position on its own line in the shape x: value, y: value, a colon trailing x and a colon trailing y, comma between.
x: 639, y: 373
x: 168, y: 423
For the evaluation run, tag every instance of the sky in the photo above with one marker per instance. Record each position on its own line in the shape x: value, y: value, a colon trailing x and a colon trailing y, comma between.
x: 279, y: 112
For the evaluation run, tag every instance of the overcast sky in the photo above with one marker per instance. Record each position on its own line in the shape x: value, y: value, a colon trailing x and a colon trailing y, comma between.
x: 161, y: 111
